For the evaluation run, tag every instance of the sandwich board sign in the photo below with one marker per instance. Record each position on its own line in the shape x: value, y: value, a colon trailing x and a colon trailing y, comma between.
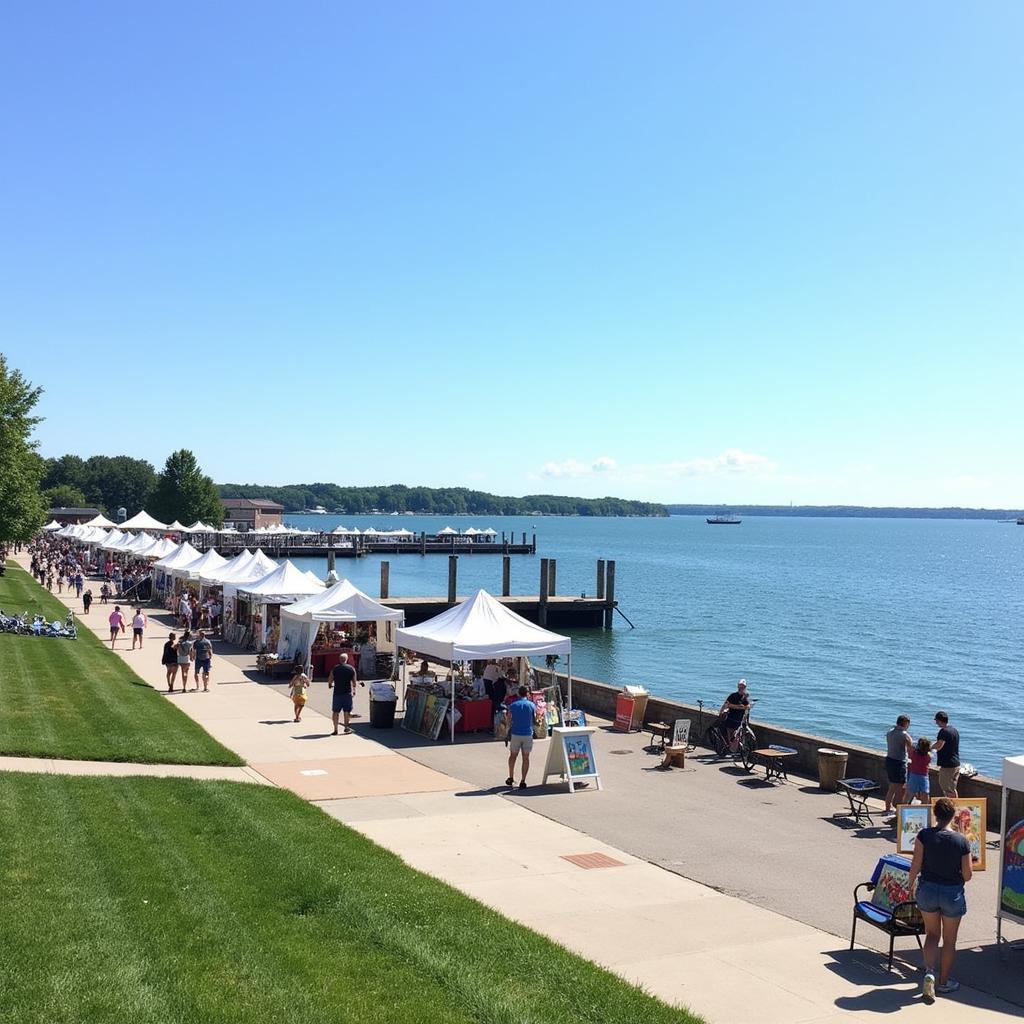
x: 571, y: 756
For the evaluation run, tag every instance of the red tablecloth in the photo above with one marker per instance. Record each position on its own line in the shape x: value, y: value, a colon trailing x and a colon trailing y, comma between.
x: 476, y: 714
x: 324, y: 661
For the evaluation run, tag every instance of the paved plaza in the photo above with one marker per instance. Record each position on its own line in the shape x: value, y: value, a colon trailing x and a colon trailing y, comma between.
x: 713, y: 889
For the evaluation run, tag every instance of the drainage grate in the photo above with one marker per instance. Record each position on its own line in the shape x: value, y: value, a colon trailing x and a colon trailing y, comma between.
x: 588, y: 861
x: 620, y: 751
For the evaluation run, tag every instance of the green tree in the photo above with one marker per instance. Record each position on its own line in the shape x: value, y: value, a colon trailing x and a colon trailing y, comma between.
x: 64, y: 496
x: 68, y: 470
x: 185, y: 493
x: 22, y: 506
x: 119, y: 481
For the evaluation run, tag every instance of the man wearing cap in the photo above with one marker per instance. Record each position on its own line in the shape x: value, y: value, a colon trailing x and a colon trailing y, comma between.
x: 734, y: 708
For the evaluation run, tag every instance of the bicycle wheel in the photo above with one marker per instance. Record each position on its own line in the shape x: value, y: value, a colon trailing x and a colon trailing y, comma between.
x: 716, y: 739
x: 747, y: 747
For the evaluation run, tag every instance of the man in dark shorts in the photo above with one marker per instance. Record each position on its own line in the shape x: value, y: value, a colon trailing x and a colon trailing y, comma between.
x: 734, y: 709
x: 947, y: 755
x: 343, y: 681
x: 898, y: 748
x: 204, y: 655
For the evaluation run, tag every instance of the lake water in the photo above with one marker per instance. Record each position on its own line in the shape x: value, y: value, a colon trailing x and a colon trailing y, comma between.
x: 838, y: 625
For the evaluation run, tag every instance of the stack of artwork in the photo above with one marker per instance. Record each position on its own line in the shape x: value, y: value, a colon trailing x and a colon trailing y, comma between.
x: 969, y: 820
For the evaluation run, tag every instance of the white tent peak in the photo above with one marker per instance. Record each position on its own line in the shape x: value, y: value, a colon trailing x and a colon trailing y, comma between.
x: 100, y: 520
x: 183, y: 554
x: 285, y: 582
x: 142, y: 521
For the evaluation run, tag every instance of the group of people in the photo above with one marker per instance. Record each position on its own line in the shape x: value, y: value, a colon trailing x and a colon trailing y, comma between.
x: 907, y: 762
x: 193, y: 614
x: 118, y: 625
x: 187, y: 654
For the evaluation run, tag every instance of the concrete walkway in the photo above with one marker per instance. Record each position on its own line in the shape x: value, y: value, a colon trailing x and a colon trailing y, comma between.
x: 58, y: 766
x: 690, y: 944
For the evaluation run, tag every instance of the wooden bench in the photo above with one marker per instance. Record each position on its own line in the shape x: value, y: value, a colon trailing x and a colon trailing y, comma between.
x: 659, y: 730
x: 774, y: 760
x: 891, y: 908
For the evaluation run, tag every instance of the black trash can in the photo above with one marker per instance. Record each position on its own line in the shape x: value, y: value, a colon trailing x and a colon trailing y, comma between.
x: 382, y: 714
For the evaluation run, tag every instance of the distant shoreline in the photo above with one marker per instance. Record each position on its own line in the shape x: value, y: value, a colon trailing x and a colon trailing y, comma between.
x: 847, y: 512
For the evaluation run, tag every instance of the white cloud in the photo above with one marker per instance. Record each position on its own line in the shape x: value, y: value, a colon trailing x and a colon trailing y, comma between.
x: 731, y: 461
x: 574, y: 468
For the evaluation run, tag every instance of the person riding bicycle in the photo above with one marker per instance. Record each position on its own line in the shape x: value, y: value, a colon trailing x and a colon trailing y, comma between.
x: 735, y: 708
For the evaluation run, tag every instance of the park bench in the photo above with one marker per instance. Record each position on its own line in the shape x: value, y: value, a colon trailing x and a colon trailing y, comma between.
x: 891, y: 907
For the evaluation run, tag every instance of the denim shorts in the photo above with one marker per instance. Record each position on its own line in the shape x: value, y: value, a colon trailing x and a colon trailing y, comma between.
x: 947, y: 900
x: 917, y: 783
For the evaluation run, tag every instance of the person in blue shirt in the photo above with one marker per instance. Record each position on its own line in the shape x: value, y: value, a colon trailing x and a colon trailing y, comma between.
x: 522, y: 713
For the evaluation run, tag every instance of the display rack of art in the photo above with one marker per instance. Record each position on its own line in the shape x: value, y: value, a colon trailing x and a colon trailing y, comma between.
x: 571, y: 756
x: 1010, y: 906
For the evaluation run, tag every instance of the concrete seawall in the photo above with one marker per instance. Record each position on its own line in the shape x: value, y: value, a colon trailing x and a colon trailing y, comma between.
x: 862, y: 761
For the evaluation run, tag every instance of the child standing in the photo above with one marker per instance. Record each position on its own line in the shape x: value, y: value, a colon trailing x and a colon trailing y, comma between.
x: 297, y: 687
x: 917, y: 777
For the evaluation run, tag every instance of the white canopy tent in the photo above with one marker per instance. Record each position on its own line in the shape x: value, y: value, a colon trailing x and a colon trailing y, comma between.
x: 343, y: 602
x: 193, y: 570
x: 210, y: 576
x: 177, y: 527
x: 143, y: 521
x: 54, y: 525
x: 140, y: 543
x: 284, y: 585
x: 117, y: 541
x: 482, y: 628
x: 199, y: 527
x: 447, y: 532
x: 160, y: 548
x: 100, y: 520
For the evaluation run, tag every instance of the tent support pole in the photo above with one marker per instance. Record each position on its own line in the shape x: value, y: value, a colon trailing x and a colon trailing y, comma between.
x: 451, y: 665
x: 568, y: 672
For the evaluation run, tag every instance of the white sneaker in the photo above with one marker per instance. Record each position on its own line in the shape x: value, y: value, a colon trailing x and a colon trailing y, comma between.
x: 928, y: 988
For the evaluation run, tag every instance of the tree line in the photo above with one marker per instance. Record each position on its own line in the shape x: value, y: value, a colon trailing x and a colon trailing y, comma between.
x: 179, y: 491
x: 435, y: 501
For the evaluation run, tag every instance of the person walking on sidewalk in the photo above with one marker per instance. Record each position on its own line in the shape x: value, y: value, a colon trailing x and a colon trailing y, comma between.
x: 86, y: 601
x: 204, y: 655
x: 343, y: 680
x: 947, y: 755
x: 169, y: 660
x: 138, y: 627
x: 185, y: 655
x: 297, y: 687
x: 942, y: 859
x: 898, y: 748
x: 116, y: 620
x: 522, y: 713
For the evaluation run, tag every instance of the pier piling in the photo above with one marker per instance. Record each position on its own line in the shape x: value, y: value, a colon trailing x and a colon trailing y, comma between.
x: 385, y: 579
x: 609, y: 593
x: 600, y: 579
x: 552, y: 577
x: 453, y: 572
x: 506, y: 575
x: 542, y: 605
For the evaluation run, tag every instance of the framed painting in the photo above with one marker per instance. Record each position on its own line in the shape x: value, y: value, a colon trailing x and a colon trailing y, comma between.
x: 579, y: 756
x: 970, y: 820
x: 415, y: 701
x: 910, y: 819
x: 1011, y: 894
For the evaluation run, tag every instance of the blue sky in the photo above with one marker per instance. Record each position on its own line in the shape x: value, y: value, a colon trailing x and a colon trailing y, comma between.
x: 741, y: 252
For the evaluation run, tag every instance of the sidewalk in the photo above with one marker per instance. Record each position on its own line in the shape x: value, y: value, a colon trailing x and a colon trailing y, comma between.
x: 688, y: 943
x: 58, y: 766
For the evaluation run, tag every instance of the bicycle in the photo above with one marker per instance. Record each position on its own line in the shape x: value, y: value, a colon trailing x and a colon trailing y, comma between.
x: 746, y: 741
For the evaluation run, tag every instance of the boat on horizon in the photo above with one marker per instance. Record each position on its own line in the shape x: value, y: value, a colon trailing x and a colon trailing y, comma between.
x: 723, y: 519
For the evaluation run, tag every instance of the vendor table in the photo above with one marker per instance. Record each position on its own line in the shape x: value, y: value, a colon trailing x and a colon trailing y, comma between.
x: 857, y: 791
x: 774, y: 760
x: 476, y: 715
x: 323, y: 662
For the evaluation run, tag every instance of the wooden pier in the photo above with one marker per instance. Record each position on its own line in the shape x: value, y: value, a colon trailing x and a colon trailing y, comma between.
x: 323, y: 545
x: 546, y: 608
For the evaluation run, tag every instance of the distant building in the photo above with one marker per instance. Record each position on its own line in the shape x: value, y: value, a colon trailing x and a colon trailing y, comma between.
x: 72, y: 515
x: 251, y: 513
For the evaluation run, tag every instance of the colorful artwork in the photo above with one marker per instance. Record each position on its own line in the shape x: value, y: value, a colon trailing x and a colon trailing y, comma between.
x: 579, y: 755
x: 433, y: 715
x: 970, y: 821
x: 910, y: 819
x: 891, y: 887
x: 681, y: 732
x: 1011, y: 897
x: 551, y: 707
x: 415, y: 700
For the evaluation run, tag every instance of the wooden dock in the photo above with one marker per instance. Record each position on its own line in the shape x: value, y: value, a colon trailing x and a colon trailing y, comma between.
x: 321, y: 546
x: 561, y: 612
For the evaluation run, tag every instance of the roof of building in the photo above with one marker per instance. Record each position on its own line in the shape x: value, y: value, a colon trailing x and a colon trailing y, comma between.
x: 260, y: 503
x: 67, y: 511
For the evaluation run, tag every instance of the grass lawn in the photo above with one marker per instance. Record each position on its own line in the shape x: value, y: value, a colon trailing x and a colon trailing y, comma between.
x: 74, y: 699
x: 172, y: 900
